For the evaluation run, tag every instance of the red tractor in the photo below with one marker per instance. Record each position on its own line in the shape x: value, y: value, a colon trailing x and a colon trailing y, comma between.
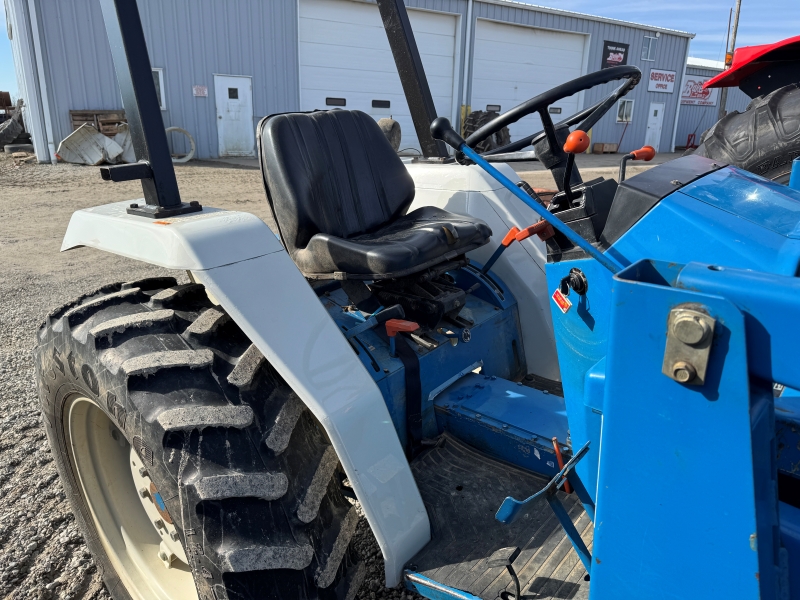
x: 765, y: 138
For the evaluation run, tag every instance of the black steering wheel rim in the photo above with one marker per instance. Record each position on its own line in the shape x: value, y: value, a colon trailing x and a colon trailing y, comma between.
x: 540, y: 103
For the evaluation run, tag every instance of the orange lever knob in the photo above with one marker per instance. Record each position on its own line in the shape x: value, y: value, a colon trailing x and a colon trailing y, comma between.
x: 532, y: 229
x: 645, y: 153
x: 393, y: 326
x: 577, y: 142
x: 510, y: 236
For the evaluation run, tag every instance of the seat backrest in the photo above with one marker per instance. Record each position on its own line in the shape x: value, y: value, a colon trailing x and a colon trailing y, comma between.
x: 330, y: 172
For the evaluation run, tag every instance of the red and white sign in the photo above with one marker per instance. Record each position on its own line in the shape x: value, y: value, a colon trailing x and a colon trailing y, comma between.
x: 562, y: 302
x: 661, y: 81
x: 693, y: 93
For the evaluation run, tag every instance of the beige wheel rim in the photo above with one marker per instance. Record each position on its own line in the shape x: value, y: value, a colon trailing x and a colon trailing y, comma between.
x: 142, y: 546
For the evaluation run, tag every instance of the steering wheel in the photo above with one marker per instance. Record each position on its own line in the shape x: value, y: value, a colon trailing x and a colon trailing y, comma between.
x: 587, y: 117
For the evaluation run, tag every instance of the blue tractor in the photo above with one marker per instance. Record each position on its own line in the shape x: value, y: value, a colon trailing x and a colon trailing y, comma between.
x: 591, y: 397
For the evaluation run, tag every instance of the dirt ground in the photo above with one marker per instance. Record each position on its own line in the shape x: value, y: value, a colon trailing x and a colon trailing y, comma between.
x: 42, y: 554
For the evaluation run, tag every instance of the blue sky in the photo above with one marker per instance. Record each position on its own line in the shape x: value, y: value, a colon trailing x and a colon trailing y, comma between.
x: 707, y: 18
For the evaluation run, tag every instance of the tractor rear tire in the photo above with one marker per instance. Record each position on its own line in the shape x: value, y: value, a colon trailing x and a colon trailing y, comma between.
x: 477, y: 119
x: 764, y: 139
x: 150, y: 381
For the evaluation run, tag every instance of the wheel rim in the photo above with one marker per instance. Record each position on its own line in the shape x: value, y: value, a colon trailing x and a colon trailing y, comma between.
x: 107, y: 470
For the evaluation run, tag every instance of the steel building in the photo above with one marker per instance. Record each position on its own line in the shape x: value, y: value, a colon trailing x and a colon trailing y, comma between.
x: 221, y: 66
x: 699, y: 107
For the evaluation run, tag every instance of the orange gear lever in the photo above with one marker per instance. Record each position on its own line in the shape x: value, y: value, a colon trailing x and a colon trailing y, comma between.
x: 645, y: 153
x: 393, y: 327
x: 542, y: 228
x: 577, y: 142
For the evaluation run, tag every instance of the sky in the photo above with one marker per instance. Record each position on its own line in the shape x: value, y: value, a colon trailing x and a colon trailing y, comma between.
x: 706, y: 18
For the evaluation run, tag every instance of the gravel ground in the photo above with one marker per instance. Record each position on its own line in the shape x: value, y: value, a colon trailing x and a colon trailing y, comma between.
x: 42, y: 554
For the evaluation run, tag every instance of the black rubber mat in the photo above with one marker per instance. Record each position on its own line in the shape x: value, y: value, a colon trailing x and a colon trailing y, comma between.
x: 462, y: 490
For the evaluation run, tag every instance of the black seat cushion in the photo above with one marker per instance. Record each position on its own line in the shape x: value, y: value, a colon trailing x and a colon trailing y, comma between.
x: 339, y: 193
x: 418, y: 240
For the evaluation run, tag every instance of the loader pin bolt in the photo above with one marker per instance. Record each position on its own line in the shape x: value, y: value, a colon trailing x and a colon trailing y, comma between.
x: 683, y: 371
x: 690, y: 330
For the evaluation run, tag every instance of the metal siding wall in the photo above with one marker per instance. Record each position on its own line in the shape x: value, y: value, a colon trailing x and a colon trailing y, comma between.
x: 191, y: 40
x: 697, y: 119
x: 670, y: 55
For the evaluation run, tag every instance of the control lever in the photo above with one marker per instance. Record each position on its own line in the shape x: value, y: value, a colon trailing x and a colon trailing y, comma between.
x: 441, y: 129
x: 392, y: 312
x: 645, y: 153
x: 393, y: 327
x: 577, y: 142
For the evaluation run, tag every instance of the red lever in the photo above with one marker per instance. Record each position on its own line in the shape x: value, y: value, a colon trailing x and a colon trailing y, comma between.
x: 510, y: 236
x: 560, y: 458
x: 542, y: 228
x: 646, y: 153
x: 577, y: 142
x: 393, y: 326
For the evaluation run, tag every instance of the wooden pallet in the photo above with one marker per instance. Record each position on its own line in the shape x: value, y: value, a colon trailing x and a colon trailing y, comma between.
x: 604, y: 148
x: 105, y: 121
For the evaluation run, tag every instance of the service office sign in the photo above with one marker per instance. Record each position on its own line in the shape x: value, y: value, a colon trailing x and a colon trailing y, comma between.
x: 615, y: 54
x: 661, y: 81
x: 693, y: 93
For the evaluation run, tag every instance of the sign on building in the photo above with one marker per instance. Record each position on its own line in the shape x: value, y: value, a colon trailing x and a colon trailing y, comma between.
x: 693, y: 93
x: 661, y: 81
x: 200, y: 91
x: 614, y: 54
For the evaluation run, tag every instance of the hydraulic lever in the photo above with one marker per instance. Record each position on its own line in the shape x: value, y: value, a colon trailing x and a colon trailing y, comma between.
x: 441, y: 129
x: 577, y: 142
x: 646, y: 153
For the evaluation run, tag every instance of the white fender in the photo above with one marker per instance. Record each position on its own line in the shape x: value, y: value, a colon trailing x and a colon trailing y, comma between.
x: 246, y: 269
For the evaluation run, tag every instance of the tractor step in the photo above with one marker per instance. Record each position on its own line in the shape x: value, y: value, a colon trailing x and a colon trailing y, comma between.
x: 462, y: 490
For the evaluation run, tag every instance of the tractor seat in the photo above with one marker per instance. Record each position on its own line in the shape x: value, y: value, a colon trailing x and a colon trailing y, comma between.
x: 339, y: 195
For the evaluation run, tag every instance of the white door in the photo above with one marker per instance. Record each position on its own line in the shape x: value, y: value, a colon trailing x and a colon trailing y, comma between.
x: 235, y: 128
x: 654, y: 120
x: 515, y: 63
x: 346, y: 62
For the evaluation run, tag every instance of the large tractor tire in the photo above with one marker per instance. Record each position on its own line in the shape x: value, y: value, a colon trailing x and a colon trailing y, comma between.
x: 192, y: 468
x: 477, y: 119
x: 764, y: 139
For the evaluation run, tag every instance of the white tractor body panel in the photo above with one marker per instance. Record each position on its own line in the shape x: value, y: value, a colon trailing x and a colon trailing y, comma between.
x: 248, y: 272
x: 469, y: 190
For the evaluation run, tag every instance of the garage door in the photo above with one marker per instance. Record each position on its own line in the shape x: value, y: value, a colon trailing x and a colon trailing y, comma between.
x: 515, y: 63
x: 345, y: 61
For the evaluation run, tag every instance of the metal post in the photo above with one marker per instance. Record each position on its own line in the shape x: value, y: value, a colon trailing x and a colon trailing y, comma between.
x: 412, y: 74
x: 142, y: 110
x: 723, y: 101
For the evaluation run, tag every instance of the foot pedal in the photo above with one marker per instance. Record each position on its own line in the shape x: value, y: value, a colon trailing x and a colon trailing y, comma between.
x: 511, y: 508
x: 505, y: 557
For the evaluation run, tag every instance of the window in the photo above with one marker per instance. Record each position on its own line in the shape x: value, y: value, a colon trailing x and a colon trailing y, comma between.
x: 158, y: 79
x: 335, y: 101
x: 381, y: 104
x: 649, y: 48
x: 493, y: 108
x: 624, y: 111
x: 233, y: 93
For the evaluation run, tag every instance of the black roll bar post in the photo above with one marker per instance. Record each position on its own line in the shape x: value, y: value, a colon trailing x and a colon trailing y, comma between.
x: 412, y: 75
x: 143, y: 112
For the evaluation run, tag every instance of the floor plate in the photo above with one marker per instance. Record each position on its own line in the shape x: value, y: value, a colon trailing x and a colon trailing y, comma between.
x: 462, y: 490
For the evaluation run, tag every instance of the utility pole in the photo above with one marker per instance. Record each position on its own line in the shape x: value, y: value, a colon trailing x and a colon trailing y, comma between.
x: 723, y: 101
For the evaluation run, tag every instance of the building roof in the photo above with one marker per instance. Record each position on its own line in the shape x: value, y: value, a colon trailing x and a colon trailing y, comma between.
x: 579, y: 15
x: 705, y: 63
